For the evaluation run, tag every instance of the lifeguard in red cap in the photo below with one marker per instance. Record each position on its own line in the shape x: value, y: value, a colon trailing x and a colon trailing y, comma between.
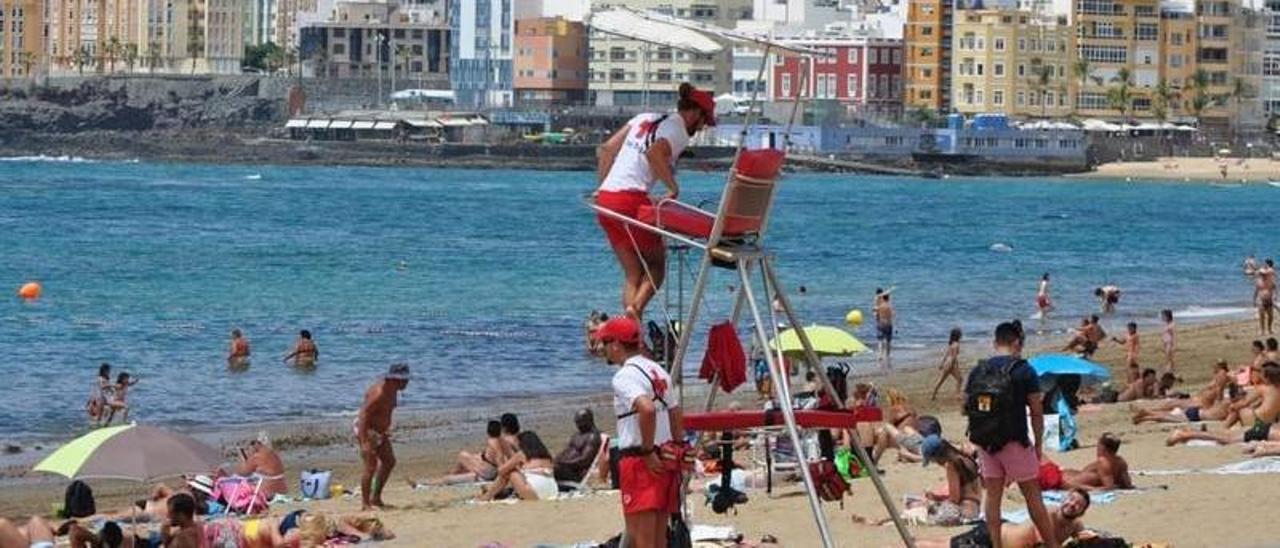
x: 641, y: 153
x: 648, y: 417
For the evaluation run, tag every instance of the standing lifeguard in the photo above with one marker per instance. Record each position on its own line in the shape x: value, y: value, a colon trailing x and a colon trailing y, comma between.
x: 641, y: 153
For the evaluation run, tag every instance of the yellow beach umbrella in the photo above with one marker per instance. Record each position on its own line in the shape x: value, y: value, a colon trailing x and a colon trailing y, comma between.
x: 826, y: 341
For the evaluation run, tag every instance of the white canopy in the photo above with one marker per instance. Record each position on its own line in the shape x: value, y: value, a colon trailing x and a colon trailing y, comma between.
x: 1101, y: 125
x: 340, y: 124
x: 384, y: 125
x: 683, y: 34
x: 442, y: 94
x: 296, y: 123
x: 630, y: 24
x: 362, y: 124
x: 1046, y: 124
x: 318, y: 124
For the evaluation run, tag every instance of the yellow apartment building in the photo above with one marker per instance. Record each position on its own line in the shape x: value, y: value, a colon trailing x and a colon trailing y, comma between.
x: 21, y: 38
x: 1011, y: 61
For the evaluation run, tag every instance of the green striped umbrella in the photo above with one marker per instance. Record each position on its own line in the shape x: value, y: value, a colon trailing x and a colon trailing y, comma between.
x: 131, y: 452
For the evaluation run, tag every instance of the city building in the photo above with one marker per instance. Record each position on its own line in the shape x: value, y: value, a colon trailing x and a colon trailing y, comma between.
x: 863, y: 75
x: 631, y: 72
x: 92, y: 35
x: 550, y: 61
x: 1011, y: 61
x: 22, y: 45
x: 927, y: 70
x: 480, y: 52
x: 225, y: 26
x: 1270, y: 82
x: 377, y: 40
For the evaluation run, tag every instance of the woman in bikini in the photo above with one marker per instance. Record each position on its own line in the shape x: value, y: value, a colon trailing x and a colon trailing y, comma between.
x: 902, y: 432
x: 304, y: 353
x: 950, y: 365
x: 630, y: 162
x: 962, y: 501
x: 100, y: 395
x: 120, y: 398
x: 529, y: 473
x: 473, y: 467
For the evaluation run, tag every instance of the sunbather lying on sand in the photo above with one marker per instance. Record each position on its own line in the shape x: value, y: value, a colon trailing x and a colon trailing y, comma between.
x: 1065, y: 519
x: 303, y: 528
x: 472, y: 467
x: 1262, y: 416
x: 1109, y: 471
x: 1193, y: 409
x: 36, y: 533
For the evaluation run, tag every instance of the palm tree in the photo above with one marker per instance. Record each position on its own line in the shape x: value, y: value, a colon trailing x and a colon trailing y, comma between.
x: 130, y: 55
x: 82, y: 58
x: 153, y: 56
x: 1200, y: 97
x: 1161, y: 99
x: 1083, y: 70
x: 1240, y: 90
x: 113, y: 50
x: 27, y: 59
x: 1041, y: 82
x: 1120, y: 96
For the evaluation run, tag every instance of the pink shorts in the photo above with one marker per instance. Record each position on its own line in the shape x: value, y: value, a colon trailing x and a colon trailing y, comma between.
x: 1013, y: 462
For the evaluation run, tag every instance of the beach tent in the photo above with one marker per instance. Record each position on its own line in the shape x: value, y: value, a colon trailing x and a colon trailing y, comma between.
x: 732, y: 237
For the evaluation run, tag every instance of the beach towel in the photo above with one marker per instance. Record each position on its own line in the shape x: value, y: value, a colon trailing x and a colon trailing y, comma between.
x: 1057, y: 497
x: 1265, y: 465
x: 724, y: 358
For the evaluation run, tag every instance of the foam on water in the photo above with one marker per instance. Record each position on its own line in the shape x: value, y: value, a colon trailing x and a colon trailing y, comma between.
x: 48, y: 159
x: 1194, y: 311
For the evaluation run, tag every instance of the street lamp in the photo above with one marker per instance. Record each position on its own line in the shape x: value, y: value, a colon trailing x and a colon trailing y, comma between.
x: 378, y: 41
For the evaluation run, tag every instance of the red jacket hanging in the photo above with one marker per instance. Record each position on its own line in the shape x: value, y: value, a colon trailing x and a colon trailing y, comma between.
x: 724, y: 356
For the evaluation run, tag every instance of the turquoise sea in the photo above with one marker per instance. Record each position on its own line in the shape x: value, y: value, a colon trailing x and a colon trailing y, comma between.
x: 149, y: 266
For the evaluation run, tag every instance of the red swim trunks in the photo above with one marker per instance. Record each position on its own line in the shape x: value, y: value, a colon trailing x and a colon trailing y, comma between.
x: 644, y: 491
x: 627, y: 203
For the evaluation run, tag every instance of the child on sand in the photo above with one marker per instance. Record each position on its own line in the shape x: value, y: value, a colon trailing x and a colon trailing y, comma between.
x: 1131, y: 345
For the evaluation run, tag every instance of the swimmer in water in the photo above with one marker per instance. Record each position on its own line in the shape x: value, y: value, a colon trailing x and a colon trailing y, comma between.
x: 1109, y: 296
x: 304, y: 352
x: 238, y: 357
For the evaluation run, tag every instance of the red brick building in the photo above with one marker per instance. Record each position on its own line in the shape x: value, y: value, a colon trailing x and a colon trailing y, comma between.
x: 865, y: 74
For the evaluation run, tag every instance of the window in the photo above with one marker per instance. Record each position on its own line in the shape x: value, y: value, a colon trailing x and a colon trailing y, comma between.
x: 1022, y: 44
x: 1213, y: 55
x: 999, y: 44
x: 617, y: 75
x: 339, y: 49
x: 1049, y: 99
x: 997, y: 98
x: 926, y: 73
x: 926, y: 52
x: 1175, y: 38
x: 977, y: 97
x: 786, y: 85
x: 853, y: 56
x: 1022, y: 70
x: 1104, y: 54
x: 339, y: 33
x: 1021, y: 98
x: 1106, y: 29
x: 1144, y: 11
x: 1271, y: 63
x: 998, y: 70
x: 897, y: 56
x: 1142, y: 103
x: 926, y: 31
x: 981, y: 44
x: 979, y: 69
x: 1147, y: 31
x: 1094, y: 101
x: 853, y: 85
x: 1213, y: 32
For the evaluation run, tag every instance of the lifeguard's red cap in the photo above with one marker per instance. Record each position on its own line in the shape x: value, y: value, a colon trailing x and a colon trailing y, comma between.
x: 621, y: 329
x: 707, y: 103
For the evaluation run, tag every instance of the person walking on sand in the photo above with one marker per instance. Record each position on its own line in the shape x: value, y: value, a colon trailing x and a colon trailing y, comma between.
x: 373, y: 433
x: 950, y: 365
x: 1168, y: 338
x: 1000, y: 392
x: 649, y: 417
x: 635, y: 157
x: 304, y: 353
x: 238, y: 356
x: 884, y: 330
x: 1264, y: 296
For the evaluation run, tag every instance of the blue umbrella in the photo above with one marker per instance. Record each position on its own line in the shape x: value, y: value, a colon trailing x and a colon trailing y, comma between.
x: 1065, y: 364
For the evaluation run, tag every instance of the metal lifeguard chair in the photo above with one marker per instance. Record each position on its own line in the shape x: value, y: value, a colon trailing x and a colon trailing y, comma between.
x: 733, y: 237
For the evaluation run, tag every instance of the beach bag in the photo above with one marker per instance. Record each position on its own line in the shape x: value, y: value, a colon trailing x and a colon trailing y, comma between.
x: 849, y: 465
x: 315, y: 484
x: 678, y: 535
x: 989, y: 405
x: 78, y: 502
x: 241, y: 495
x: 827, y: 480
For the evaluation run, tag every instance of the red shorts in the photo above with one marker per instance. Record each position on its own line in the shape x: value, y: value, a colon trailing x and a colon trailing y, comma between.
x: 644, y: 491
x: 627, y: 203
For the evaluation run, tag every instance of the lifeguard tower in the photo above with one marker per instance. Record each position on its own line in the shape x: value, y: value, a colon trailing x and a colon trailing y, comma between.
x: 732, y: 237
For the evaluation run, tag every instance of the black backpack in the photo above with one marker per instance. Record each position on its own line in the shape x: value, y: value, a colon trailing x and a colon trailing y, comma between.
x: 838, y: 375
x: 79, y: 501
x: 989, y: 404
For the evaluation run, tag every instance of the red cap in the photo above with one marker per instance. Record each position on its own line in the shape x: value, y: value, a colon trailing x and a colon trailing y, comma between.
x: 621, y: 329
x: 707, y: 103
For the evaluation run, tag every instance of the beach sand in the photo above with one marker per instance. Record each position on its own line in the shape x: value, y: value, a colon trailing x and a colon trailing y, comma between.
x: 1186, y: 510
x: 1254, y: 170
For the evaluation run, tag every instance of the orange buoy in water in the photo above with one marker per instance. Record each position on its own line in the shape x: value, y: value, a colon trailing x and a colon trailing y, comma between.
x: 30, y: 291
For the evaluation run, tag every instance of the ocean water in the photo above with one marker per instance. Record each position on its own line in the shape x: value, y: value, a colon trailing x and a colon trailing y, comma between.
x: 149, y: 267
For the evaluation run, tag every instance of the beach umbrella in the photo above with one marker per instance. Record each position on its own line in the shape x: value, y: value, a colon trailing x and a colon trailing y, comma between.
x: 826, y: 341
x: 1065, y: 364
x: 131, y: 452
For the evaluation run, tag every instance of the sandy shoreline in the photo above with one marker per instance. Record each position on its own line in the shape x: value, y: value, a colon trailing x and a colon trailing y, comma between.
x: 1194, y: 170
x: 441, y: 517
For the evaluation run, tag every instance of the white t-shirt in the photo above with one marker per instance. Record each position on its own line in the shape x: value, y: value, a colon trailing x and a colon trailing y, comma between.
x: 630, y: 171
x: 630, y: 383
